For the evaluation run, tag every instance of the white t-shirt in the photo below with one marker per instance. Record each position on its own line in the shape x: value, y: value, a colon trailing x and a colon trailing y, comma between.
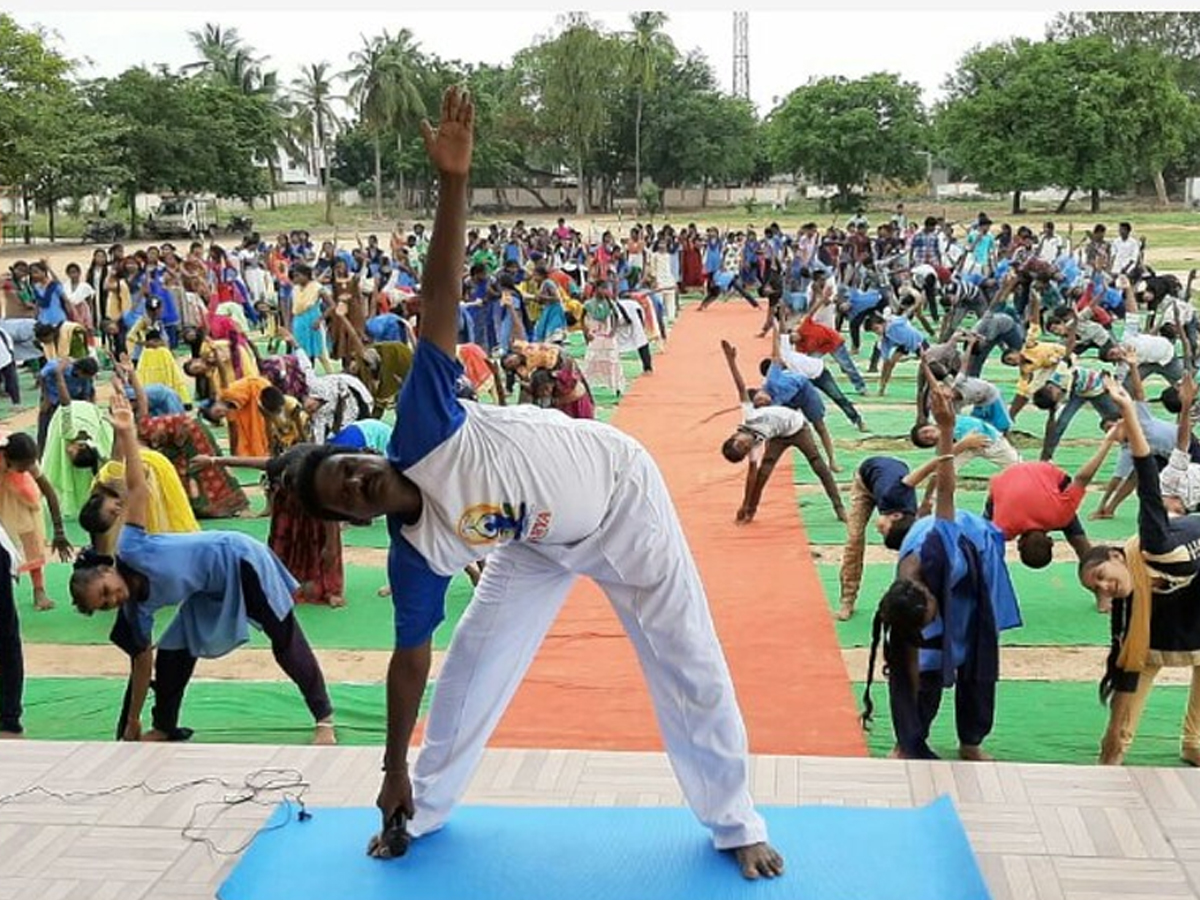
x: 1150, y: 348
x: 491, y: 475
x: 1125, y: 254
x: 827, y: 314
x: 801, y: 363
x: 1167, y: 307
x: 767, y: 422
x: 1051, y: 248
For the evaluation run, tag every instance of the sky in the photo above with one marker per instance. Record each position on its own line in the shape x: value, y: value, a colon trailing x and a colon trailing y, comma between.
x: 786, y: 47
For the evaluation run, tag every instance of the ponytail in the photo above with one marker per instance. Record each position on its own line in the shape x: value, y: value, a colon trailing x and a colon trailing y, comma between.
x: 897, y: 625
x: 876, y: 636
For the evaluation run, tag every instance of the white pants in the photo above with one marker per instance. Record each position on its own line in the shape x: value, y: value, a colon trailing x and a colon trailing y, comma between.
x: 1000, y: 453
x: 639, y: 556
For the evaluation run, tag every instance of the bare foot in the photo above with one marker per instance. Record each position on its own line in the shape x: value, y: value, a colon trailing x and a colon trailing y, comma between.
x: 324, y: 735
x: 974, y: 754
x: 895, y: 753
x: 1191, y: 756
x: 759, y: 861
x: 845, y: 611
x: 42, y: 602
x: 337, y: 601
x: 155, y: 736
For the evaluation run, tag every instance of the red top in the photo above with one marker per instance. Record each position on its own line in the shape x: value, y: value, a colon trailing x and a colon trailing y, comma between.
x: 816, y: 338
x: 1034, y: 496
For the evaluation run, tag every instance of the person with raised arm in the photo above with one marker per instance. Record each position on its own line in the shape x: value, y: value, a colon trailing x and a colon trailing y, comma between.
x: 222, y: 582
x: 1151, y: 586
x: 459, y: 483
x: 940, y: 621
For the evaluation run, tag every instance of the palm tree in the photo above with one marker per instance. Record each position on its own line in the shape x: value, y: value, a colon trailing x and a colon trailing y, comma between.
x: 315, y: 121
x: 647, y: 47
x: 405, y: 67
x: 216, y: 45
x: 384, y: 89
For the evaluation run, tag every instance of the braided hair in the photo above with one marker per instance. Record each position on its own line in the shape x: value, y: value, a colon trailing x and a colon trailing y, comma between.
x: 898, y: 623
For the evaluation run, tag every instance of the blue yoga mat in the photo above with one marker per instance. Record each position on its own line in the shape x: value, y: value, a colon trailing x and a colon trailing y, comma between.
x: 622, y: 853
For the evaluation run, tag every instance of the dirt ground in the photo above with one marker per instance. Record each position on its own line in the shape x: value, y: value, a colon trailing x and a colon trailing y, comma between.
x: 247, y: 664
x: 1084, y: 664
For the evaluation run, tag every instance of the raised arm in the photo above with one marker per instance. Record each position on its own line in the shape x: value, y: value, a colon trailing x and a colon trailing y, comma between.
x: 1072, y: 334
x: 1139, y: 447
x: 1084, y: 476
x: 943, y: 414
x: 127, y: 372
x: 137, y: 497
x: 743, y: 396
x: 1187, y: 397
x: 449, y: 149
x: 243, y: 462
x: 1136, y: 388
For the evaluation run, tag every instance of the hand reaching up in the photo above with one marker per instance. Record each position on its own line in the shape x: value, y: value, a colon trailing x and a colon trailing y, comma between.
x: 1117, y: 392
x: 941, y: 402
x: 449, y: 145
x: 120, y: 412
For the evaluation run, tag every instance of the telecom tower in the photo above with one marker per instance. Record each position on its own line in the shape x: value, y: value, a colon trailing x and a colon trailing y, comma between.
x: 741, y: 55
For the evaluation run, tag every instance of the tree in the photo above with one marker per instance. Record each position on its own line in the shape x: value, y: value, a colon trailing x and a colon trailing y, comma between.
x: 999, y: 122
x: 565, y: 78
x: 227, y: 60
x: 710, y: 131
x: 315, y: 121
x: 1080, y: 113
x: 1175, y: 34
x: 209, y: 143
x: 649, y: 51
x: 383, y: 87
x: 32, y: 76
x: 216, y: 45
x: 841, y: 132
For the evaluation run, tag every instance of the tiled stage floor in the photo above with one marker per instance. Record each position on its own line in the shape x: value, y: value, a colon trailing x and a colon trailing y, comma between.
x: 1067, y: 833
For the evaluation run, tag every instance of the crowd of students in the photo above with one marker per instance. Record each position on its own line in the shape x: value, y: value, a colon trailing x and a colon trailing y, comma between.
x: 289, y: 345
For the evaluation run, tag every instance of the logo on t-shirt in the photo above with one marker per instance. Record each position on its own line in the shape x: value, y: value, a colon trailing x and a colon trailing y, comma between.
x: 490, y: 523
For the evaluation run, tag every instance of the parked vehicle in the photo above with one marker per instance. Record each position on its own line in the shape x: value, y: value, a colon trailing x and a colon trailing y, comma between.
x: 103, y: 231
x: 183, y: 216
x: 239, y: 224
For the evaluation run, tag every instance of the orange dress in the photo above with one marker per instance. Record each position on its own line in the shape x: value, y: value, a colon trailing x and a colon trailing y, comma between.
x: 21, y: 514
x: 242, y: 397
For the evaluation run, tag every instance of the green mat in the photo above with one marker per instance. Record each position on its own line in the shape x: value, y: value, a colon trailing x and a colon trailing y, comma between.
x: 1056, y: 610
x: 364, y: 623
x: 240, y: 712
x: 1048, y: 722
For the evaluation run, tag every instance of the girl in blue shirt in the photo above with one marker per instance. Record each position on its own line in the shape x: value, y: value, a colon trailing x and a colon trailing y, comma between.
x: 221, y: 581
x: 48, y: 294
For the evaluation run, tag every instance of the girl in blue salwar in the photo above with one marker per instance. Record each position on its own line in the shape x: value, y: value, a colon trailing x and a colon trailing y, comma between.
x: 941, y: 619
x: 221, y: 583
